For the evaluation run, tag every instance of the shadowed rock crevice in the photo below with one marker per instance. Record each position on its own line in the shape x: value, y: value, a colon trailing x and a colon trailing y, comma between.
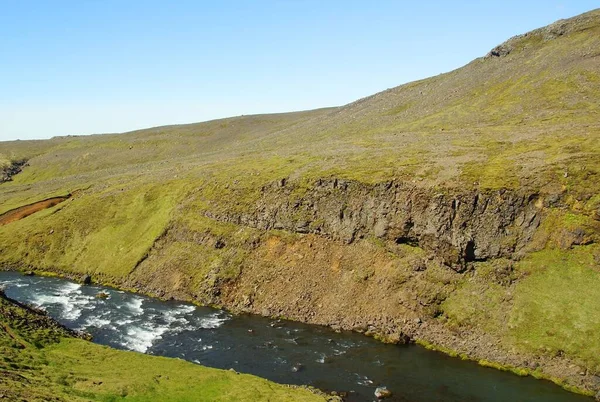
x: 469, y: 255
x: 408, y: 241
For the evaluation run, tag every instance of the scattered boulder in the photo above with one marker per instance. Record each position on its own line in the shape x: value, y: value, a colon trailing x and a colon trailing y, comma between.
x: 86, y: 280
x: 382, y: 392
x: 102, y: 295
x: 297, y: 367
x: 9, y: 171
x: 219, y: 244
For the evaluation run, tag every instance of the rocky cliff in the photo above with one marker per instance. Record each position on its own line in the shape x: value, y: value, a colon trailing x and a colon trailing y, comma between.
x: 453, y: 226
x: 11, y: 169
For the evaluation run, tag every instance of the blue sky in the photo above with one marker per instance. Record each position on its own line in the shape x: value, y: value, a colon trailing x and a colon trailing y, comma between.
x: 83, y: 67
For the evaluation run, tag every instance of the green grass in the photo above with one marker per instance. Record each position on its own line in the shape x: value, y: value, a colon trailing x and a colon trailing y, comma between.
x: 475, y: 303
x: 136, y: 377
x: 555, y: 307
x: 546, y: 303
x: 40, y: 361
x: 551, y: 309
x: 106, y: 231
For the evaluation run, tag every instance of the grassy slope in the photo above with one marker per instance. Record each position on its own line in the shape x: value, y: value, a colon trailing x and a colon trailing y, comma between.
x: 530, y: 118
x: 40, y: 361
x: 547, y: 302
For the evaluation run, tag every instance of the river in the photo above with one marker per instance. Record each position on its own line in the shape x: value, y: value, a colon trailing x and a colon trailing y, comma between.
x: 282, y: 351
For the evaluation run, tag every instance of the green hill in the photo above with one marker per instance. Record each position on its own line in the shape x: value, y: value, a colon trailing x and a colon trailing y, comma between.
x: 460, y: 211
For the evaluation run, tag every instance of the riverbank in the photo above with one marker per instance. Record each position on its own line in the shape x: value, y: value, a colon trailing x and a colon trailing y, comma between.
x: 45, y: 361
x: 278, y: 350
x: 480, y: 347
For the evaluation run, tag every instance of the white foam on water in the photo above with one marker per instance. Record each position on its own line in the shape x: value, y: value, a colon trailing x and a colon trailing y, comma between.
x: 185, y: 309
x: 16, y: 283
x: 97, y: 322
x: 176, y: 320
x: 141, y: 337
x: 212, y: 321
x: 321, y: 359
x: 71, y: 287
x: 68, y: 298
x: 123, y: 322
x: 363, y: 380
x: 135, y: 305
x: 174, y: 317
x: 280, y: 360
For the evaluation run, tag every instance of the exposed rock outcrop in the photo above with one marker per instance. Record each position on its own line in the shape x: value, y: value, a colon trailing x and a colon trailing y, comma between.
x: 454, y: 227
x: 9, y: 171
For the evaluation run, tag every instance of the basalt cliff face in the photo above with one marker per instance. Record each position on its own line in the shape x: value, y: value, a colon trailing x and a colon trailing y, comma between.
x: 454, y: 227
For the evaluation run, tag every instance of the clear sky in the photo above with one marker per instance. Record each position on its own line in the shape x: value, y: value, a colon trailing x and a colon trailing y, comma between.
x: 83, y: 67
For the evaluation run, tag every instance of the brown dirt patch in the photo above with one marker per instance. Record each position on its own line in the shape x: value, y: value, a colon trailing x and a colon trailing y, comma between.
x: 26, y: 210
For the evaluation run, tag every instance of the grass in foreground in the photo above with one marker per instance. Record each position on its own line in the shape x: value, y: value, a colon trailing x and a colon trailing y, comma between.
x: 40, y: 361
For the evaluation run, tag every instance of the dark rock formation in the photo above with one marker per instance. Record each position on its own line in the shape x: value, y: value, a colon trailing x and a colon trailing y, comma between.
x: 500, y: 51
x: 455, y: 226
x: 9, y: 171
x: 86, y: 280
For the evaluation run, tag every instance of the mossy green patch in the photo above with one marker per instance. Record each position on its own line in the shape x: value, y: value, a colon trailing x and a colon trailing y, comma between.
x: 477, y: 299
x: 103, y: 374
x: 555, y: 306
x: 106, y: 232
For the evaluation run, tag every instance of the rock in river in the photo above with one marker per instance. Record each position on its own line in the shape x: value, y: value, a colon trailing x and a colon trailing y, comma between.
x: 382, y: 392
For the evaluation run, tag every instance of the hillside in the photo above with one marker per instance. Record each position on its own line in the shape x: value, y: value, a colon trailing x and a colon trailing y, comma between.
x: 460, y: 211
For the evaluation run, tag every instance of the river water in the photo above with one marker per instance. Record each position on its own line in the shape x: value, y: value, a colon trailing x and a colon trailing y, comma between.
x: 282, y: 351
